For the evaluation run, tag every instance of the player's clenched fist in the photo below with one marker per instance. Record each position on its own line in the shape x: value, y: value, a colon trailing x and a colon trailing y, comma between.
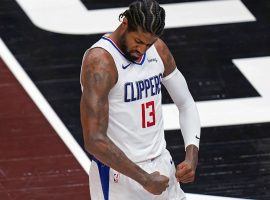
x: 185, y: 172
x: 156, y: 183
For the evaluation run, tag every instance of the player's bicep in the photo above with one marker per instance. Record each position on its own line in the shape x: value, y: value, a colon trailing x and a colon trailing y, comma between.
x: 94, y: 106
x: 97, y: 80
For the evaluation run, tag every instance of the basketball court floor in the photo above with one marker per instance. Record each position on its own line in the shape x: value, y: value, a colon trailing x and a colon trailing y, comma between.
x: 221, y: 46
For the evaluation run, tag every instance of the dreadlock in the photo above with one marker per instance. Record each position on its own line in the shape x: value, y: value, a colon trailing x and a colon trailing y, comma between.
x: 147, y: 14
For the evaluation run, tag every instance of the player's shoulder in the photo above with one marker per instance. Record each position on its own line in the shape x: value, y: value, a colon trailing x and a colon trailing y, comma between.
x: 166, y: 56
x: 98, y: 60
x: 159, y: 44
x: 97, y: 56
x: 162, y: 48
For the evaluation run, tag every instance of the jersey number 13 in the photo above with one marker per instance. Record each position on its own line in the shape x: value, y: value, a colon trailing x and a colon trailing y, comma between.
x: 148, y: 114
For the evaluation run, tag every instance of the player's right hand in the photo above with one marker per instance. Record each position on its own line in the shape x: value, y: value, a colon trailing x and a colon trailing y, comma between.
x: 156, y: 183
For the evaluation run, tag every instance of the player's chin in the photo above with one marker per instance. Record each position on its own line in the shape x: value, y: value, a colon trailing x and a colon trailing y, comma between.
x: 135, y: 58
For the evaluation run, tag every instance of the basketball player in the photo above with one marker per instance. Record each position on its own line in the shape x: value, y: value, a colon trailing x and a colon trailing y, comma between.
x: 121, y: 112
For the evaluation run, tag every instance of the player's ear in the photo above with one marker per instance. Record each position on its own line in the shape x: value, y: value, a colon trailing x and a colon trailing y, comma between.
x: 125, y: 23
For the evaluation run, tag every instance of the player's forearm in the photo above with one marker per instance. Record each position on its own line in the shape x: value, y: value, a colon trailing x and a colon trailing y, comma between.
x: 192, y: 155
x: 109, y: 154
x: 177, y: 87
x: 190, y: 124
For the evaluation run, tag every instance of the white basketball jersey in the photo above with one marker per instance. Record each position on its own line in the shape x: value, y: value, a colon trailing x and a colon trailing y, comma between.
x: 135, y: 112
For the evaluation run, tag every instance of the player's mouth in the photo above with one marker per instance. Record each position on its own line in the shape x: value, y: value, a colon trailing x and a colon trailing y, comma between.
x: 136, y: 55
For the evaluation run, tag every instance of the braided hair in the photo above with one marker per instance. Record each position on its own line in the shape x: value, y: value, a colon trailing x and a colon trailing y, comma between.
x: 146, y: 14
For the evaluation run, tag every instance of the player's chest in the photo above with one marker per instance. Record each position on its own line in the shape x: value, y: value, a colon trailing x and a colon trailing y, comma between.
x: 139, y: 82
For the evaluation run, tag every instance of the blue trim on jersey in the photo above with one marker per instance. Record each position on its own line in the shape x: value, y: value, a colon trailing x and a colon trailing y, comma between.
x: 144, y: 55
x: 104, y: 174
x: 114, y: 45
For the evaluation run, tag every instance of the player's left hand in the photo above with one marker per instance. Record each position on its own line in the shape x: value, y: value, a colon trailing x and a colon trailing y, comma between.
x: 185, y: 172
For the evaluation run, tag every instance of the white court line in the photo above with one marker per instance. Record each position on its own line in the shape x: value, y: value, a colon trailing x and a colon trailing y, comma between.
x: 44, y: 106
x: 72, y: 17
x: 233, y: 111
x: 257, y: 71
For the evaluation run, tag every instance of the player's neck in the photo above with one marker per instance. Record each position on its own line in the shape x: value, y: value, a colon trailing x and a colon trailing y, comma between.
x: 115, y: 37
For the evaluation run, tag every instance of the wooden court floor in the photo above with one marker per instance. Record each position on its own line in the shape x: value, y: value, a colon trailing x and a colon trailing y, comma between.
x: 34, y: 162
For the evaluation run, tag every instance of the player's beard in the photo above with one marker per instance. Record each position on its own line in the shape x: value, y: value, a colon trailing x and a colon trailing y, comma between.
x: 125, y: 49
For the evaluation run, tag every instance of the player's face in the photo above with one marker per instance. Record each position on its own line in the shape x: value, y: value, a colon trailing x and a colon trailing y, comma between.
x: 135, y: 43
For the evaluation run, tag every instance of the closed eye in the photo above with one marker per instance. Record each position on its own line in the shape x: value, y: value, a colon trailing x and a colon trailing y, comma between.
x: 139, y: 42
